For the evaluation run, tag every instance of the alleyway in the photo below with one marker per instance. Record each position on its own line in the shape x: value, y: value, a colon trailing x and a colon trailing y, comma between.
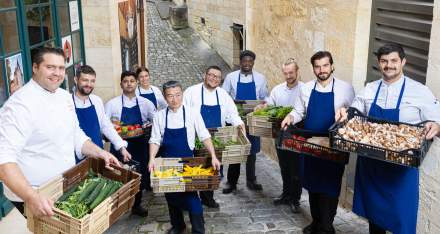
x: 183, y: 56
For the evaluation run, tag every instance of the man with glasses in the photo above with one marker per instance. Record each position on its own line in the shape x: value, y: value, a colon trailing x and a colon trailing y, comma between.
x: 216, y: 107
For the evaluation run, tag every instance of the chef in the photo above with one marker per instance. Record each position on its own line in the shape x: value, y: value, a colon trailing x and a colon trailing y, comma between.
x: 40, y: 133
x: 174, y: 130
x: 91, y: 115
x: 216, y: 107
x: 130, y: 110
x: 148, y: 91
x: 387, y: 194
x: 245, y: 84
x: 285, y: 94
x: 318, y: 101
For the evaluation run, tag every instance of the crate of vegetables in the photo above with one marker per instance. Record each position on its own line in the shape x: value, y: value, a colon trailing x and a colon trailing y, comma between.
x: 132, y: 131
x: 89, y: 198
x: 230, y: 143
x: 184, y: 175
x: 245, y: 107
x: 310, y: 143
x: 393, y: 142
x: 266, y: 122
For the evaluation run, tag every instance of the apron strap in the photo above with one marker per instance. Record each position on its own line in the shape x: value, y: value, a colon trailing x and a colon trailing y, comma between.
x: 377, y: 93
x: 184, y: 117
x: 73, y: 98
x: 401, y: 94
x: 216, y: 94
x: 333, y: 85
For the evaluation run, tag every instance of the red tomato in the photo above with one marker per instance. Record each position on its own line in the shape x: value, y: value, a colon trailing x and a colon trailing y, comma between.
x: 288, y: 143
x: 137, y: 126
x: 130, y: 128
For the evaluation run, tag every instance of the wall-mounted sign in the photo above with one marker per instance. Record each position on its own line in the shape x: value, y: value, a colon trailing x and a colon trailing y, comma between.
x: 66, y: 43
x: 128, y: 34
x: 74, y: 15
x: 14, y: 72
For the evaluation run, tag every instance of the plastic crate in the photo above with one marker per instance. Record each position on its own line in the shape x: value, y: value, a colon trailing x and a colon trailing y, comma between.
x: 102, y: 216
x: 298, y: 143
x: 409, y: 157
x: 231, y: 154
x: 183, y: 183
x: 263, y: 126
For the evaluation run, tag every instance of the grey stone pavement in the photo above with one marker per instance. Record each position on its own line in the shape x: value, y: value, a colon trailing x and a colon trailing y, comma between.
x: 182, y: 55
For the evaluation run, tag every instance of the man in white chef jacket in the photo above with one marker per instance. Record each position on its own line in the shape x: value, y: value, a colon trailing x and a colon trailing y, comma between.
x: 216, y: 107
x: 131, y: 109
x: 285, y: 94
x: 40, y: 134
x: 91, y: 114
x: 245, y: 84
x: 317, y: 103
x: 387, y: 194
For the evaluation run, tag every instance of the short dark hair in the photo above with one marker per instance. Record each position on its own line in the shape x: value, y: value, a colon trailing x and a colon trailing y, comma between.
x: 249, y: 53
x: 214, y: 67
x: 171, y: 84
x: 127, y: 73
x: 38, y: 53
x: 320, y: 55
x: 389, y: 48
x: 85, y: 69
x: 141, y: 69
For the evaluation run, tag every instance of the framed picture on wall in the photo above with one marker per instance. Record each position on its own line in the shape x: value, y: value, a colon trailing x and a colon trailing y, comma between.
x: 66, y: 43
x: 14, y: 72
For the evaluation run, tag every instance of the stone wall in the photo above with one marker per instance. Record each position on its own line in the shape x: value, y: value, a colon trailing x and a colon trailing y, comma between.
x: 218, y: 16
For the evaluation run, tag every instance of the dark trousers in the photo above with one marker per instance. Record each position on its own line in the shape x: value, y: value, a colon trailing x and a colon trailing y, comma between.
x: 178, y: 222
x: 323, y: 211
x: 290, y: 169
x: 234, y: 170
x: 374, y: 229
x: 206, y: 196
x: 19, y: 206
x: 138, y: 148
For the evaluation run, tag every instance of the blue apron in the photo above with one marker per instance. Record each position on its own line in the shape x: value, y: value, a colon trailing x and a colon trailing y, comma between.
x: 89, y: 123
x: 319, y: 175
x: 212, y: 115
x: 175, y: 144
x: 248, y: 91
x: 149, y: 96
x: 387, y: 194
x: 137, y: 147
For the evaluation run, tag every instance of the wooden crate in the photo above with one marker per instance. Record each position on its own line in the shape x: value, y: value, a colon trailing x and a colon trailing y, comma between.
x: 102, y: 216
x: 230, y: 154
x: 183, y: 183
x: 263, y: 126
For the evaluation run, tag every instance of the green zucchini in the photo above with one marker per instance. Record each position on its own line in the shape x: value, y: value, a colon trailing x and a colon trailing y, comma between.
x: 101, y: 196
x: 87, y: 190
x: 68, y: 193
x: 95, y: 192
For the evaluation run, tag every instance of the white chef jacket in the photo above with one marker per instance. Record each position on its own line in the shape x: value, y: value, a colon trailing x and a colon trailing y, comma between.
x: 418, y: 103
x: 161, y: 103
x: 281, y: 95
x: 105, y: 124
x: 343, y: 92
x: 194, y: 125
x: 192, y: 97
x: 40, y: 132
x: 230, y: 83
x: 113, y: 108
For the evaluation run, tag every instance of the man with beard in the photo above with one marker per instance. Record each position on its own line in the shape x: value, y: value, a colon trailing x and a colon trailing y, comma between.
x: 131, y: 110
x: 91, y: 114
x: 285, y: 94
x: 318, y: 101
x: 216, y: 107
x: 245, y: 84
x: 387, y: 194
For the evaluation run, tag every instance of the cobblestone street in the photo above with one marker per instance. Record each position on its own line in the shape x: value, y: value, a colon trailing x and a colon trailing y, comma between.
x: 182, y: 55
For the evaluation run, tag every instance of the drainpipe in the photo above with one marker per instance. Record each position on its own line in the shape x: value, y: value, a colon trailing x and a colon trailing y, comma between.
x: 142, y: 31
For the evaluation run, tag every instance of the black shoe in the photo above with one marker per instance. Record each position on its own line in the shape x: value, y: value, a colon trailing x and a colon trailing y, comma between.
x: 211, y: 203
x: 139, y: 211
x: 229, y: 188
x: 252, y: 185
x: 283, y: 199
x: 309, y: 229
x: 294, y: 207
x: 173, y: 230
